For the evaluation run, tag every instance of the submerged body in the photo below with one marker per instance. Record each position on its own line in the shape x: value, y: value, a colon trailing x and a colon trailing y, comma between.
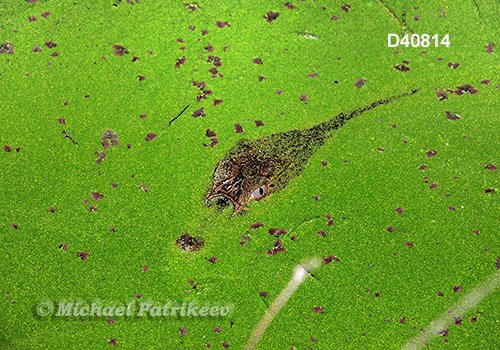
x: 255, y: 168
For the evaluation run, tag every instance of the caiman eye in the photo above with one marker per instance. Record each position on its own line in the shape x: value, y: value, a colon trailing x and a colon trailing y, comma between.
x: 259, y: 193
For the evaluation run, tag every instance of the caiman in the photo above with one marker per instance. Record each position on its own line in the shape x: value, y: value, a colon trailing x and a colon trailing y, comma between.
x: 253, y: 169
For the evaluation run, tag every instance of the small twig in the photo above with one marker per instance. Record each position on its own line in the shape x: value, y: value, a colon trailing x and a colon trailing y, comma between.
x: 263, y: 303
x: 305, y: 221
x: 178, y: 115
x: 67, y: 135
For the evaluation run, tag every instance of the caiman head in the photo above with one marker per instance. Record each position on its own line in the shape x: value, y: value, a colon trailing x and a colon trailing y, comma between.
x: 243, y: 178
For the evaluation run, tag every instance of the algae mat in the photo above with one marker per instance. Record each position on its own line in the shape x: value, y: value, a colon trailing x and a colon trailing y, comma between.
x: 115, y: 114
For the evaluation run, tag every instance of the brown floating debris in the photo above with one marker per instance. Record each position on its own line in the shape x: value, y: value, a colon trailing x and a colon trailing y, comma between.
x: 119, y: 50
x: 7, y: 48
x: 360, y: 82
x: 188, y: 243
x: 489, y: 48
x: 441, y: 95
x: 146, y: 189
x: 451, y: 116
x: 402, y: 68
x: 109, y: 134
x: 465, y: 89
x: 271, y: 16
x: 96, y: 196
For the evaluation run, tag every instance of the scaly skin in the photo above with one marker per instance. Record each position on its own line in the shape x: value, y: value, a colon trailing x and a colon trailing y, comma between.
x: 254, y: 169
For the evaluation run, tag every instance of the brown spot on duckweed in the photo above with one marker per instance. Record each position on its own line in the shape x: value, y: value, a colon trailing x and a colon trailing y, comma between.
x: 7, y: 148
x: 14, y: 225
x: 109, y: 134
x: 52, y: 209
x: 485, y: 81
x: 451, y: 116
x: 322, y: 233
x: 319, y: 309
x: 278, y: 248
x: 258, y: 123
x: 390, y: 229
x: 222, y: 24
x: 443, y: 332
x: 7, y: 48
x: 399, y: 210
x: 329, y: 259
x: 217, y: 102
x: 257, y: 61
x: 180, y: 62
x: 489, y: 190
x: 256, y: 225
x: 119, y: 50
x: 465, y: 89
x: 489, y: 48
x: 402, y: 68
x: 83, y: 255
x: 188, y: 243
x: 238, y: 129
x: 198, y: 113
x: 360, y: 82
x: 32, y: 19
x: 146, y: 189
x: 345, y: 8
x: 430, y: 154
x: 441, y: 95
x: 96, y: 196
x: 271, y: 16
x: 183, y: 331
x: 491, y: 167
x: 150, y: 136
